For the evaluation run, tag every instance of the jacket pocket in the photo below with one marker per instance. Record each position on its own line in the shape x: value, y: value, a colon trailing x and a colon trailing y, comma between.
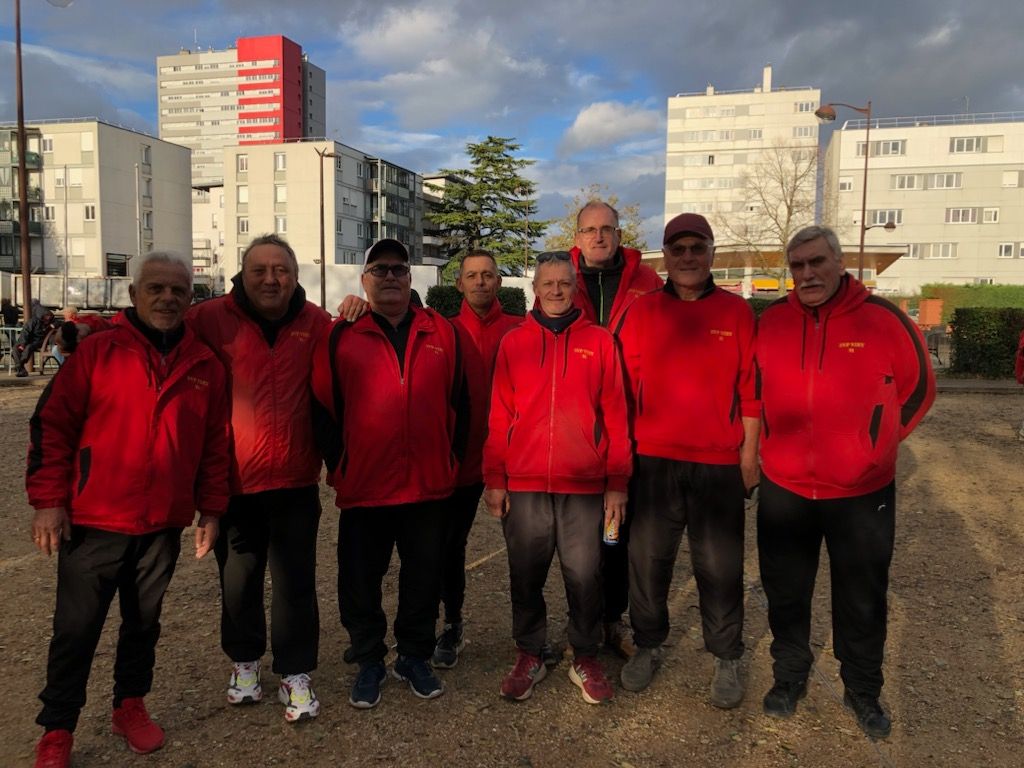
x: 84, y: 465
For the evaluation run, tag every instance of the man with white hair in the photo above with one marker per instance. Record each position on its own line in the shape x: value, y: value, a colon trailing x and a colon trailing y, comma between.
x: 129, y: 439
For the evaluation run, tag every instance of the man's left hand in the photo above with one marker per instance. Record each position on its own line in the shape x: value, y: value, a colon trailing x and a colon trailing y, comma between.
x: 353, y: 307
x: 614, y: 507
x: 751, y: 471
x: 206, y: 534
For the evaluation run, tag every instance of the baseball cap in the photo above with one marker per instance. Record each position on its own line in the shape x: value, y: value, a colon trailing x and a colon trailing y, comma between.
x: 687, y: 224
x: 384, y: 246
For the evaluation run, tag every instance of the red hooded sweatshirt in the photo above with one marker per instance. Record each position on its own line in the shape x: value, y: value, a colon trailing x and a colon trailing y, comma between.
x: 558, y: 412
x: 636, y: 280
x: 841, y: 385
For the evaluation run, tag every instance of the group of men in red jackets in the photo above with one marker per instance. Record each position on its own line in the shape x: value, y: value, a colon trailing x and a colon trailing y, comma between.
x: 620, y: 405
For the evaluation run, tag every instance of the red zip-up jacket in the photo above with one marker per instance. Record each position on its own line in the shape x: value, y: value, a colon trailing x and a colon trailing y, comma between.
x: 558, y: 412
x: 272, y: 432
x: 482, y: 335
x: 690, y: 374
x: 129, y: 441
x: 841, y: 385
x: 637, y: 279
x: 397, y: 429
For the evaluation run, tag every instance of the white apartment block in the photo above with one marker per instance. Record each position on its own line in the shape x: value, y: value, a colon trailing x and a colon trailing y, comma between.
x: 263, y: 90
x: 952, y: 184
x: 723, y: 149
x: 276, y: 188
x: 101, y: 195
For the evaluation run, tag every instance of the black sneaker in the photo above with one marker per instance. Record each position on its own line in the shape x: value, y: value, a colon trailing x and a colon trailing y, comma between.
x: 419, y: 675
x: 450, y: 642
x: 22, y: 373
x: 366, y: 690
x: 870, y: 717
x: 349, y: 655
x: 781, y: 700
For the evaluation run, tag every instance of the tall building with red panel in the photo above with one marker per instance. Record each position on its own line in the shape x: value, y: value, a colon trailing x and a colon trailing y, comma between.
x: 262, y: 91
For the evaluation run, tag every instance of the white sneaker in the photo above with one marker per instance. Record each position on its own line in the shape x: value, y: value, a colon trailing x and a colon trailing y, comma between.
x: 297, y: 695
x: 244, y: 686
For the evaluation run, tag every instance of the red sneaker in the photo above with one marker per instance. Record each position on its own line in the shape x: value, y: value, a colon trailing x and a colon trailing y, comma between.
x: 587, y: 673
x: 526, y: 673
x: 54, y: 750
x: 131, y: 720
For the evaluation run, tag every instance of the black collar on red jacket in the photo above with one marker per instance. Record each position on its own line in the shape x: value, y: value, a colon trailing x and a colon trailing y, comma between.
x: 269, y: 328
x: 709, y: 288
x: 556, y: 324
x: 164, y: 342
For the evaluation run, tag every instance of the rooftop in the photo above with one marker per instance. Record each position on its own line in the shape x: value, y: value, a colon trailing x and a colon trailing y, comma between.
x: 979, y: 118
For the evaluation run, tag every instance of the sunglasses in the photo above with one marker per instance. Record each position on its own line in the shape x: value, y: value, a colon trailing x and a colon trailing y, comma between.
x: 380, y: 271
x: 547, y: 256
x: 697, y: 249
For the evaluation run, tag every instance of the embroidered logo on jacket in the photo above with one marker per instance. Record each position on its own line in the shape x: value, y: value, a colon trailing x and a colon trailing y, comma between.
x: 851, y: 346
x: 721, y: 334
x: 304, y: 335
x: 583, y: 352
x: 197, y: 383
x: 435, y: 349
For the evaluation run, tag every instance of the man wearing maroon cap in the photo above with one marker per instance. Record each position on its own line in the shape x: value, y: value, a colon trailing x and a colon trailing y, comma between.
x: 609, y: 279
x: 689, y: 357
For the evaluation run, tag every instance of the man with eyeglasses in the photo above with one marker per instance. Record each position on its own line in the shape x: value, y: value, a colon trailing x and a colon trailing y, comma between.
x: 556, y: 466
x: 610, y: 278
x: 391, y: 417
x: 689, y: 358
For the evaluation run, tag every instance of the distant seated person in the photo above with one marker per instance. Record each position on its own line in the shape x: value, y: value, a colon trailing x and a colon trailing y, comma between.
x: 31, y: 340
x: 10, y: 313
x: 75, y: 327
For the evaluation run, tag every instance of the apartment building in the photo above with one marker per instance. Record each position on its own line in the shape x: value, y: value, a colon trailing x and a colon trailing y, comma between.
x: 277, y: 188
x: 99, y: 195
x: 742, y: 157
x: 263, y: 90
x: 952, y: 184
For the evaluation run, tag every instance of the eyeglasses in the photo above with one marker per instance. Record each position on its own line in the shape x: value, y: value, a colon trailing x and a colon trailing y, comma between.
x: 697, y: 249
x: 380, y: 271
x: 605, y: 231
x: 547, y: 256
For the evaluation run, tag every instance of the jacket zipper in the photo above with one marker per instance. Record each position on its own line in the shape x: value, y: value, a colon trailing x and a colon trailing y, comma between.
x: 551, y: 413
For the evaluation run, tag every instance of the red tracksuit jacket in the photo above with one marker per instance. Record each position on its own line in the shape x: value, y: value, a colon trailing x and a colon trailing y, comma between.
x: 481, y: 335
x: 273, y: 444
x: 841, y: 385
x: 637, y: 279
x: 128, y: 442
x: 558, y: 412
x: 691, y: 375
x: 396, y: 429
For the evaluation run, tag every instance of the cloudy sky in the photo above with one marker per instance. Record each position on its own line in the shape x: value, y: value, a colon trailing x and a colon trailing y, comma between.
x: 581, y: 84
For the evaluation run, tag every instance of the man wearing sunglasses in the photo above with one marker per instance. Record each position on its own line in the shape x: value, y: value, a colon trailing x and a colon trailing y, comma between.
x: 610, y: 278
x: 392, y: 417
x: 689, y: 357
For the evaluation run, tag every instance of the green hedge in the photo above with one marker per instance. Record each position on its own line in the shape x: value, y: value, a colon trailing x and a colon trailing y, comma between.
x: 759, y: 304
x: 447, y: 300
x: 957, y: 296
x: 985, y: 340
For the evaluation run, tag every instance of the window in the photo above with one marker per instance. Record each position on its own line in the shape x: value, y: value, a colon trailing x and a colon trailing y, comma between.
x: 1006, y: 250
x: 87, y: 142
x: 243, y: 225
x: 756, y: 133
x: 74, y: 177
x: 243, y: 194
x: 943, y: 251
x: 49, y: 213
x: 280, y: 161
x: 963, y: 144
x: 242, y: 163
x: 47, y: 144
x: 280, y: 224
x: 961, y: 215
x: 845, y: 183
x: 990, y: 216
x: 914, y: 250
x: 1011, y: 178
x: 361, y: 230
x: 805, y: 106
x: 90, y: 213
x: 360, y: 170
x: 339, y: 165
x: 887, y: 147
x: 147, y: 219
x: 147, y: 187
x: 58, y: 177
x: 886, y: 215
x: 947, y: 181
x: 803, y: 131
x: 711, y: 159
x: 280, y: 193
x: 337, y: 225
x: 904, y: 181
x: 147, y: 154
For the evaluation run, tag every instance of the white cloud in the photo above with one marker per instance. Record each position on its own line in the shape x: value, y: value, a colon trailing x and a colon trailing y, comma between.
x: 132, y: 82
x: 939, y: 36
x: 606, y: 123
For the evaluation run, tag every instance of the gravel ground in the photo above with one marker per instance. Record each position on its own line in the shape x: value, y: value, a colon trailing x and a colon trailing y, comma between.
x: 954, y: 666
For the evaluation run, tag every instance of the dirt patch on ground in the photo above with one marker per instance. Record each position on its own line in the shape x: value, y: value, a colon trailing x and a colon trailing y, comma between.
x: 954, y: 665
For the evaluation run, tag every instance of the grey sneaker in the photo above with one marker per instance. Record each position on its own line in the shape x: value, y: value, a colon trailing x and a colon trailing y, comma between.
x: 637, y: 672
x: 726, y: 686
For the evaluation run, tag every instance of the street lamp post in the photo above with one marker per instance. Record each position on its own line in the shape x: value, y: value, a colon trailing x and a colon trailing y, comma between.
x: 827, y: 113
x: 23, y: 235
x: 323, y: 261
